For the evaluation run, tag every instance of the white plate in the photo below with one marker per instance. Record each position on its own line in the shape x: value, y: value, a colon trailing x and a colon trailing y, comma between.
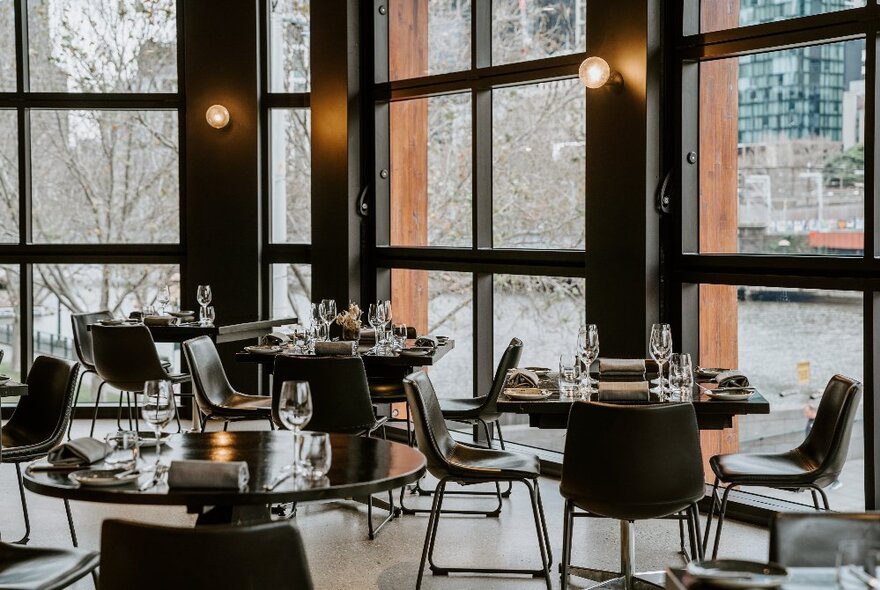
x: 734, y: 573
x: 263, y: 349
x: 102, y: 477
x: 416, y: 351
x: 526, y: 393
x: 729, y: 396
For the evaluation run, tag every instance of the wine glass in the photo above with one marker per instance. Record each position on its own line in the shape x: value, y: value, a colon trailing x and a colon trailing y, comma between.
x: 315, y: 454
x: 295, y: 410
x: 203, y: 296
x: 376, y: 318
x: 163, y: 297
x: 316, y: 315
x: 158, y: 409
x: 588, y: 350
x: 661, y: 349
x: 328, y: 313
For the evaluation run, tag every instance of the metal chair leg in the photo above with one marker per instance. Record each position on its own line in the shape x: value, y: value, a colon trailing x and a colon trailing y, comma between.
x: 721, y: 512
x: 27, y: 521
x: 430, y: 532
x: 710, y: 514
x: 544, y: 523
x: 538, y: 512
x: 97, y: 403
x: 225, y: 425
x: 567, y: 526
x: 373, y: 531
x: 70, y: 523
x: 500, y: 436
x: 824, y: 498
x: 815, y: 498
x: 79, y: 381
x: 697, y: 536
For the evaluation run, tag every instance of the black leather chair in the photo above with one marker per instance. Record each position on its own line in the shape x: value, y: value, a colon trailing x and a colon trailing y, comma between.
x: 126, y: 357
x: 38, y: 568
x: 82, y: 344
x: 340, y: 403
x: 450, y: 461
x: 799, y: 539
x: 144, y: 557
x: 214, y: 395
x: 630, y: 462
x: 482, y: 410
x: 814, y: 465
x: 39, y: 422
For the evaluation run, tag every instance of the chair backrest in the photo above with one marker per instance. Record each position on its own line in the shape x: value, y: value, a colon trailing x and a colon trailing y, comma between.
x: 126, y: 356
x: 41, y: 417
x: 431, y: 432
x: 509, y: 360
x: 632, y: 462
x: 82, y: 338
x: 810, y: 539
x: 248, y: 557
x: 340, y: 394
x: 827, y: 444
x: 211, y: 387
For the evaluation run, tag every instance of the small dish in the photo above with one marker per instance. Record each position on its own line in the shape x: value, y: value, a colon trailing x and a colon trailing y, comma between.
x: 183, y: 313
x: 526, y: 393
x: 735, y: 573
x: 103, y: 477
x: 111, y: 322
x: 416, y: 351
x: 729, y: 395
x: 539, y: 371
x: 263, y: 349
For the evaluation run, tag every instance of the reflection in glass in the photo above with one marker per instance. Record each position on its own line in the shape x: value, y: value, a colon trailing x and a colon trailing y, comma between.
x: 428, y: 37
x: 290, y: 153
x: 10, y: 339
x: 113, y: 46
x: 291, y: 291
x: 794, y: 135
x: 539, y: 165
x: 9, y: 181
x: 431, y: 184
x: 7, y: 46
x: 533, y: 30
x: 104, y: 177
x: 716, y: 14
x: 289, y: 41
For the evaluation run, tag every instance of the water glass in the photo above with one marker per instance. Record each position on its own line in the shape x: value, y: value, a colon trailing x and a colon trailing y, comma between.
x: 158, y: 409
x: 376, y: 318
x: 388, y: 339
x: 855, y: 558
x: 399, y: 331
x: 569, y: 375
x: 125, y: 449
x: 315, y: 455
x: 681, y: 377
x: 163, y: 297
x: 208, y: 315
x: 327, y: 309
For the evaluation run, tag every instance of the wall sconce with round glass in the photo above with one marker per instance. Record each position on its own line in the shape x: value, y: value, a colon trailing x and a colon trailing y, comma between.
x: 217, y: 116
x: 596, y: 73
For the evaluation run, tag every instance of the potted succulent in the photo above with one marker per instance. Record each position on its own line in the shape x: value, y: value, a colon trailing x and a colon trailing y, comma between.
x: 350, y: 320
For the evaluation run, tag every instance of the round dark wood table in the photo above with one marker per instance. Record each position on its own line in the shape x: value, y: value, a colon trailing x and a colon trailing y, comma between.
x: 360, y: 467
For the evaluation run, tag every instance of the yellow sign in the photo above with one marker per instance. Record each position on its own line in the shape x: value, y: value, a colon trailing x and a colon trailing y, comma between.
x: 803, y: 372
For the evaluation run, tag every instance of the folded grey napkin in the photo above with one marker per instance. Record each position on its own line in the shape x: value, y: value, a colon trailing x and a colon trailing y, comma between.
x: 220, y: 475
x: 522, y: 378
x: 275, y: 339
x: 624, y: 391
x: 159, y: 320
x: 427, y: 341
x: 338, y: 348
x: 79, y: 452
x: 619, y: 366
x: 732, y: 378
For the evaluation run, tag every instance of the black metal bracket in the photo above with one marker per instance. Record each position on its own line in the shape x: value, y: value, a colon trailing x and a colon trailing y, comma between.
x: 363, y: 207
x: 663, y: 197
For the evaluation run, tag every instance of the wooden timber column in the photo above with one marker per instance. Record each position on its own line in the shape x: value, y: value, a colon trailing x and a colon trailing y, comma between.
x: 719, y: 105
x: 408, y: 58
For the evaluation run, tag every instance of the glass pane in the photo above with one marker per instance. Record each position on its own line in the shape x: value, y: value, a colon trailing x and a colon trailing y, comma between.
x: 10, y: 336
x: 291, y: 291
x: 9, y: 176
x: 545, y: 313
x: 104, y: 177
x: 716, y: 15
x: 290, y: 155
x: 539, y: 165
x: 789, y: 342
x: 62, y: 289
x: 427, y: 37
x: 109, y: 46
x: 7, y: 46
x: 289, y: 46
x: 784, y: 158
x: 533, y: 30
x: 431, y: 184
x: 440, y: 303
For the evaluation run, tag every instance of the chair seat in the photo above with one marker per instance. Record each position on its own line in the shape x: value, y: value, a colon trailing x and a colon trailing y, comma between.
x: 179, y: 377
x: 241, y: 404
x: 385, y: 391
x: 34, y: 568
x: 788, y: 469
x: 480, y: 464
x: 462, y: 408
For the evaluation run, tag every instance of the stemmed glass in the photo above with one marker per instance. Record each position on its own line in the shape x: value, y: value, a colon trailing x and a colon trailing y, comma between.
x: 328, y: 313
x: 588, y: 350
x: 158, y: 409
x: 295, y: 410
x: 681, y: 376
x: 164, y: 298
x: 661, y: 349
x: 203, y: 296
x: 376, y: 317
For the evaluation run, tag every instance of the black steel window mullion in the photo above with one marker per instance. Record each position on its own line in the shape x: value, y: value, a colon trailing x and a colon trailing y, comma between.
x: 871, y: 244
x: 25, y: 322
x: 266, y: 295
x: 871, y: 409
x: 181, y: 140
x: 483, y: 333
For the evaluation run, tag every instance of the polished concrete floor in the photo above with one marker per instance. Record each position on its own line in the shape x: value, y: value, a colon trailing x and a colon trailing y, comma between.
x: 341, y: 556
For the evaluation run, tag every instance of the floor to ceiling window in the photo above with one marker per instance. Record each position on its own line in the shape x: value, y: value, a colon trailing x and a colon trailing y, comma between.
x: 776, y: 253
x: 287, y: 132
x: 480, y: 175
x: 90, y: 117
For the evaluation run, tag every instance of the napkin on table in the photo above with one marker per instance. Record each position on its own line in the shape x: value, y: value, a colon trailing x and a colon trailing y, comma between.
x: 428, y: 341
x: 522, y: 378
x: 159, y: 320
x: 338, y: 348
x: 220, y: 475
x: 624, y: 391
x: 79, y: 452
x: 275, y: 338
x: 732, y: 378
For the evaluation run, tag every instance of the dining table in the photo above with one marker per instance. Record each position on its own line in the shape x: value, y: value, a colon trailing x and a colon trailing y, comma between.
x: 360, y: 467
x: 10, y: 389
